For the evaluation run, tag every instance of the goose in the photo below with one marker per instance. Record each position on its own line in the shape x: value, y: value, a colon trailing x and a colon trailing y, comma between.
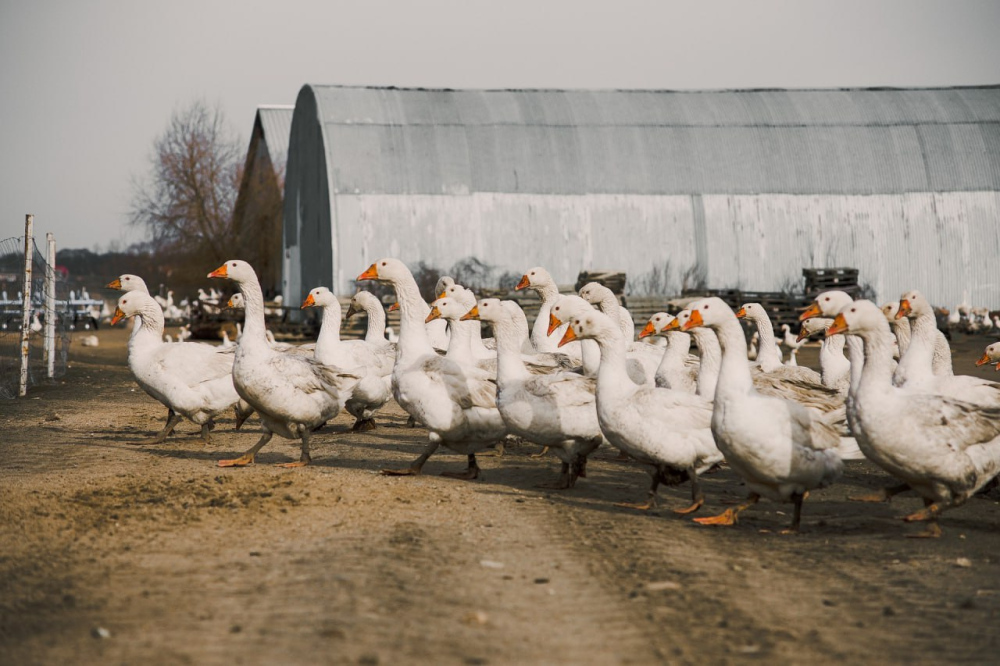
x: 554, y: 410
x: 457, y: 404
x: 307, y: 350
x: 991, y: 355
x: 666, y: 429
x: 918, y: 361
x: 900, y: 327
x: 451, y: 309
x: 542, y: 336
x: 193, y: 381
x: 375, y: 334
x: 226, y: 342
x: 597, y: 294
x: 781, y: 448
x: 475, y: 334
x: 929, y: 340
x: 710, y: 363
x: 752, y: 347
x: 36, y: 324
x: 792, y: 342
x: 768, y: 352
x: 829, y: 304
x: 675, y: 371
x: 835, y: 369
x: 943, y: 448
x: 641, y: 370
x: 373, y: 390
x: 292, y: 394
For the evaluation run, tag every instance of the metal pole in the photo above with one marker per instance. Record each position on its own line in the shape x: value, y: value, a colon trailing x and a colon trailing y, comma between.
x: 22, y: 390
x: 50, y: 304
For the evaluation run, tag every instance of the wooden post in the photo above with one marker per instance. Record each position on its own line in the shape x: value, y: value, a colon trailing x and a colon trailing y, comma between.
x: 50, y: 304
x: 22, y: 390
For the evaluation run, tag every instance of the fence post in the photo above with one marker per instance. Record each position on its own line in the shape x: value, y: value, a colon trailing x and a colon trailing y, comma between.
x: 50, y: 304
x: 22, y: 389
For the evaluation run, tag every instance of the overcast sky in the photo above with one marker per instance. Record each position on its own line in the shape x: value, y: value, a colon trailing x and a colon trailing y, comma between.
x: 86, y: 86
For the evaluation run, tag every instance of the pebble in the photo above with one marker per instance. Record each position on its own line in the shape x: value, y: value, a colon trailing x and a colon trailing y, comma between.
x: 963, y: 562
x: 662, y: 585
x: 490, y: 564
x: 100, y: 632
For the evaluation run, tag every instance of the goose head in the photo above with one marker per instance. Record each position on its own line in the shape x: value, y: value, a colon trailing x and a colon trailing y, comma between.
x: 447, y: 308
x: 130, y: 305
x: 361, y: 301
x: 593, y: 325
x: 827, y: 304
x: 236, y: 270
x: 751, y: 311
x: 657, y: 324
x: 235, y: 302
x: 860, y: 318
x: 320, y: 297
x: 991, y: 355
x: 890, y: 309
x: 443, y: 283
x: 490, y: 310
x: 459, y: 293
x: 812, y: 326
x: 387, y: 270
x: 128, y: 282
x: 565, y: 308
x: 534, y: 278
x: 594, y: 292
x: 913, y: 304
x: 711, y: 312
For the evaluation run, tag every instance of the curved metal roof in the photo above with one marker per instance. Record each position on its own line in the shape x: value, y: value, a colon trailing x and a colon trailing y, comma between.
x: 851, y: 141
x: 276, y: 123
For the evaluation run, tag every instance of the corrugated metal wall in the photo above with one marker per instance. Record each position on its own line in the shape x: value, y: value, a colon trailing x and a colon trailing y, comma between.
x: 901, y: 184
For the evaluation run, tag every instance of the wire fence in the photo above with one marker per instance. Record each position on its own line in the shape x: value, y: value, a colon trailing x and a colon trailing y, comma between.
x: 12, y: 264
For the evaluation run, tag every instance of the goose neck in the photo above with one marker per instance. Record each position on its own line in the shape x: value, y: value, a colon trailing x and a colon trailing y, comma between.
x: 254, y: 331
x: 412, y: 313
x: 734, y: 373
x: 711, y: 361
x: 613, y: 371
x: 376, y: 323
x: 767, y: 352
x: 329, y: 330
x: 510, y: 365
x: 876, y: 373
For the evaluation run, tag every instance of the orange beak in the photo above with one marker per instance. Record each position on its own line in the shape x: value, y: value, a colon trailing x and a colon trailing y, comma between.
x: 904, y: 309
x: 370, y: 274
x: 119, y: 315
x: 674, y: 325
x: 812, y: 311
x: 435, y: 314
x: 308, y: 303
x: 471, y: 314
x: 554, y: 323
x: 802, y: 335
x: 984, y: 360
x: 741, y: 313
x: 219, y: 272
x: 443, y: 294
x: 648, y: 330
x: 839, y: 326
x: 525, y: 282
x: 694, y: 322
x: 114, y: 284
x: 568, y: 336
x: 393, y: 307
x: 229, y: 303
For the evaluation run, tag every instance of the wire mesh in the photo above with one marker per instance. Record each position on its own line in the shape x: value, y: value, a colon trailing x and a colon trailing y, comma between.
x: 11, y: 316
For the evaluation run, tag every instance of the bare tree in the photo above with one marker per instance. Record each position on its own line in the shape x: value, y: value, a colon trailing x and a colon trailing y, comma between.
x: 186, y: 201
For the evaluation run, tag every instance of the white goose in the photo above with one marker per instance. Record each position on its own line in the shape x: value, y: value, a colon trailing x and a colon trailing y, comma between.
x: 641, y: 368
x: 355, y: 356
x: 834, y: 368
x: 675, y: 371
x: 451, y: 309
x: 555, y: 410
x: 945, y: 449
x: 543, y: 337
x: 457, y: 404
x: 597, y: 294
x: 292, y: 394
x: 666, y: 429
x: 368, y: 303
x: 781, y: 448
x: 476, y: 344
x: 915, y: 370
x: 900, y: 327
x: 991, y: 355
x: 768, y: 352
x: 793, y: 343
x: 194, y: 381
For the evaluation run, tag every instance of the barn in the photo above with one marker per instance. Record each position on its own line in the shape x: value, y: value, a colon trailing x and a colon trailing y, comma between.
x: 258, y: 208
x: 743, y: 188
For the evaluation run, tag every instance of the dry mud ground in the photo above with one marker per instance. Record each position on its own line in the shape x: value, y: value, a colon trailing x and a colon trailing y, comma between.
x: 177, y: 561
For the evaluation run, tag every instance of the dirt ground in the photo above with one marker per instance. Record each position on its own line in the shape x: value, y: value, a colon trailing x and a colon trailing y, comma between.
x: 117, y: 553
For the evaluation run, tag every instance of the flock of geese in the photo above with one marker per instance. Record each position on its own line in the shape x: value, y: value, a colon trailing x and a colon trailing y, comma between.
x: 577, y: 378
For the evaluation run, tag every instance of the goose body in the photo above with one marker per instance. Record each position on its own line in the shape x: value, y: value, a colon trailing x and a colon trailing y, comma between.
x: 292, y: 394
x: 373, y: 389
x: 456, y: 403
x: 666, y: 429
x: 782, y: 449
x: 943, y: 448
x: 194, y: 381
x: 557, y: 410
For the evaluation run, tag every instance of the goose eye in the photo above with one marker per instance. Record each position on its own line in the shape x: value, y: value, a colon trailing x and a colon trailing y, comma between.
x: 827, y: 298
x: 532, y: 272
x: 854, y: 309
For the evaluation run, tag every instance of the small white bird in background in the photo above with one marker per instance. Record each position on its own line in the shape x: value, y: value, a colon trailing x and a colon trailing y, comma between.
x: 90, y: 341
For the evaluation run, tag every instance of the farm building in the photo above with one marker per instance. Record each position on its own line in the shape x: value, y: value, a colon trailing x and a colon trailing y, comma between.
x: 257, y: 213
x: 745, y: 187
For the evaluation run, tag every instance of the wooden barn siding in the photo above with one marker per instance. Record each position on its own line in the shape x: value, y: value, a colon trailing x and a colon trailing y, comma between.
x: 942, y: 243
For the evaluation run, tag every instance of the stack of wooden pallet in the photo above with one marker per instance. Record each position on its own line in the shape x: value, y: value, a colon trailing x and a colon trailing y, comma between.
x: 819, y: 280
